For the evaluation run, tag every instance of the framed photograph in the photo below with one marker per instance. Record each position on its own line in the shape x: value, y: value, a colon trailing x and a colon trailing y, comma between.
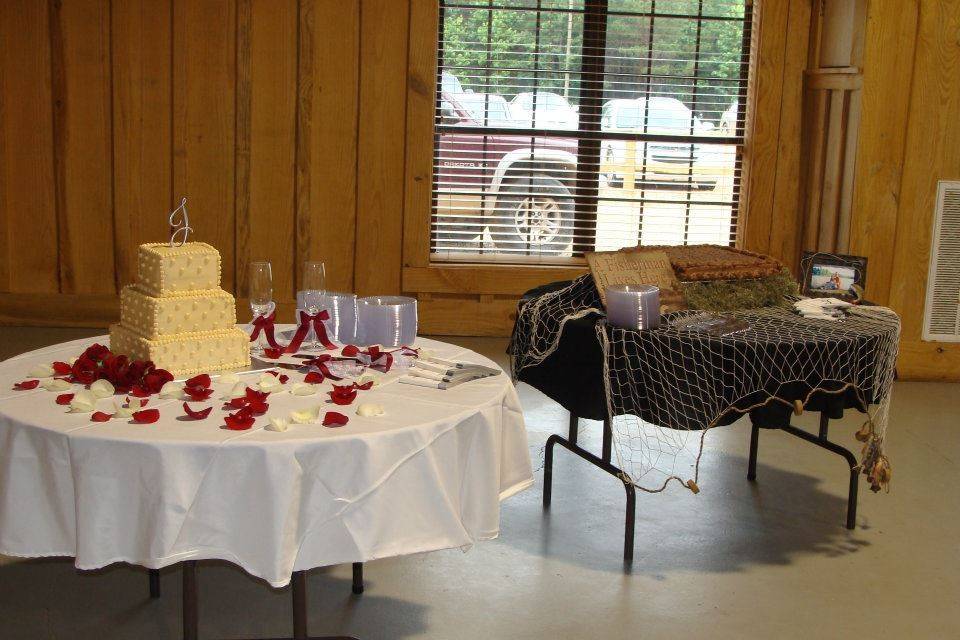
x: 831, y: 275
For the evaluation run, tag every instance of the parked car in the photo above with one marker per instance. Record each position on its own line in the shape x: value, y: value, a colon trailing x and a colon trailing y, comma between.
x: 664, y: 161
x: 552, y: 111
x: 516, y: 186
x: 450, y: 83
x: 486, y: 109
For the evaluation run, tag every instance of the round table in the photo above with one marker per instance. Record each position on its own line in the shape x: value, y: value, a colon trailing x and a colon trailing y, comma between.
x: 427, y: 475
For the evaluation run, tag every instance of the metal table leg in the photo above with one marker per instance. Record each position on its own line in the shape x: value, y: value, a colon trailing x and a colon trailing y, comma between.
x: 357, y: 578
x: 154, y: 578
x: 298, y: 592
x: 821, y: 441
x: 604, y: 464
x: 190, y: 600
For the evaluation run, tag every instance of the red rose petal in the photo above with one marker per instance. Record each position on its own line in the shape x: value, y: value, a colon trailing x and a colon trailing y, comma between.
x: 62, y: 368
x: 333, y: 419
x: 202, y: 381
x: 350, y: 351
x: 343, y: 395
x: 366, y: 386
x: 314, y: 377
x: 146, y: 416
x: 257, y: 407
x: 64, y: 398
x: 239, y: 421
x: 198, y: 394
x: 196, y: 415
x: 272, y: 373
x: 139, y: 392
x: 235, y: 403
x: 283, y: 378
x: 100, y: 416
x: 273, y: 354
x: 26, y: 385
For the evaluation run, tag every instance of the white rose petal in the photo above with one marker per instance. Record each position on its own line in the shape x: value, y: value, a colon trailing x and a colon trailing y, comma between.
x: 269, y: 383
x: 102, y: 389
x: 41, y: 371
x: 305, y: 416
x: 83, y: 402
x: 54, y: 384
x: 278, y: 424
x: 172, y: 390
x: 303, y: 389
x: 368, y: 377
x: 238, y: 390
x: 123, y: 412
x: 369, y: 410
x: 229, y: 378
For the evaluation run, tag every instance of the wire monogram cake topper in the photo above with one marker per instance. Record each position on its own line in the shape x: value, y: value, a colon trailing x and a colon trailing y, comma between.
x: 181, y: 227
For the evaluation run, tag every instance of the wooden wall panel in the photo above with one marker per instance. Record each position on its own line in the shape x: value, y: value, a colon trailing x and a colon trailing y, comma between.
x: 933, y: 153
x: 266, y: 139
x: 421, y: 102
x: 380, y: 162
x: 142, y: 37
x: 327, y: 122
x: 80, y: 44
x: 28, y: 228
x: 204, y: 81
x: 763, y: 139
x: 786, y: 218
x: 886, y: 100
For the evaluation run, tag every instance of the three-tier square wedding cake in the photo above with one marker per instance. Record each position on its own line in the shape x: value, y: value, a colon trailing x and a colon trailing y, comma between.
x: 177, y: 315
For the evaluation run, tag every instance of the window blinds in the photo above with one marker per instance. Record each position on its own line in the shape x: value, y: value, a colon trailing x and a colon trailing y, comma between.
x: 565, y: 126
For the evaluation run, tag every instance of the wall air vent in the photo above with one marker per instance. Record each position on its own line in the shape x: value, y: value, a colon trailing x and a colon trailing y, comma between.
x: 941, y: 313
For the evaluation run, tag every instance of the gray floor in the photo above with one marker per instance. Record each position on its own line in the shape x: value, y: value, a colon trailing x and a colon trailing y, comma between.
x: 739, y: 560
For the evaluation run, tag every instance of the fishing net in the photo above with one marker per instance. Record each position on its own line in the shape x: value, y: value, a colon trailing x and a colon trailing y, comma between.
x: 666, y: 387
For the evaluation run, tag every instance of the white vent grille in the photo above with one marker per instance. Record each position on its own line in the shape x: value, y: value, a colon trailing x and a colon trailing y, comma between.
x: 941, y: 315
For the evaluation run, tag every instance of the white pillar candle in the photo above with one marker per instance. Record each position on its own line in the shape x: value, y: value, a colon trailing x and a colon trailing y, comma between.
x: 633, y: 306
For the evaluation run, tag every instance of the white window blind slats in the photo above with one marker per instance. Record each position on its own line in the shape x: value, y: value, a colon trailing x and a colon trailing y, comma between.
x: 565, y: 126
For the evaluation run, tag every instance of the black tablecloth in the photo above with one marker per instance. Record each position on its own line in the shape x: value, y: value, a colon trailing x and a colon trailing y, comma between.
x: 573, y: 376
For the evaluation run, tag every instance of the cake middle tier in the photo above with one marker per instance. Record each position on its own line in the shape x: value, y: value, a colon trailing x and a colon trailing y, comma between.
x: 186, y: 354
x: 186, y: 312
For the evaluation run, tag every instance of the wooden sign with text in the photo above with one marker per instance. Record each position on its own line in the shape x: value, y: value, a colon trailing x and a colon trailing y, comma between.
x: 637, y: 267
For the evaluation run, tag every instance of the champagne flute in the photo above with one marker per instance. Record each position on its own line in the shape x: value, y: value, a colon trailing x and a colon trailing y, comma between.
x: 314, y: 286
x: 261, y: 293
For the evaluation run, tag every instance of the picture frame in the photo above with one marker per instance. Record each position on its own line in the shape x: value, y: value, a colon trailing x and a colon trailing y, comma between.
x: 833, y: 275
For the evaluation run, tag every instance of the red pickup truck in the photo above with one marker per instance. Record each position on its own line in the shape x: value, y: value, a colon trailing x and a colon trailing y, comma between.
x: 519, y: 187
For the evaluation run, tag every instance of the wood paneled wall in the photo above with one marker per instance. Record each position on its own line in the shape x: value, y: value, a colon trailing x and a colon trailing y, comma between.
x: 909, y: 139
x: 301, y: 129
x: 278, y: 119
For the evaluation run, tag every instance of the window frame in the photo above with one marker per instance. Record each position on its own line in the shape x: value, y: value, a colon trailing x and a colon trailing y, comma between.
x: 429, y: 279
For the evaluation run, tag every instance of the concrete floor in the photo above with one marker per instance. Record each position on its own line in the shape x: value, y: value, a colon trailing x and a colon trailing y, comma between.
x: 739, y: 560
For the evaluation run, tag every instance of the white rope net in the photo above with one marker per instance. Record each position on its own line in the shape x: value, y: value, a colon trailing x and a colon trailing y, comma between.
x: 666, y: 387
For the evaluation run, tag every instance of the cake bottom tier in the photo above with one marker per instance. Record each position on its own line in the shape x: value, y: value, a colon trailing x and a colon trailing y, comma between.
x: 186, y: 354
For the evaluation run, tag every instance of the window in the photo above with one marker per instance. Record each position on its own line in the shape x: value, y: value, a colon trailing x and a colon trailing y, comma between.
x: 566, y: 126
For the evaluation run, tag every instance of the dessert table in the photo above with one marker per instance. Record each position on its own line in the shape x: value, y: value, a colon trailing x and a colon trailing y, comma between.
x: 429, y: 474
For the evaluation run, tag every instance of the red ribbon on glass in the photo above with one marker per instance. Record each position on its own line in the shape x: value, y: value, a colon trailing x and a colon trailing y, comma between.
x: 321, y: 332
x: 266, y: 325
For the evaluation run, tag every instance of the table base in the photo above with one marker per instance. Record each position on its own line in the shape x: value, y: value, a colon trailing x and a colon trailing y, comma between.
x: 603, y: 462
x: 821, y: 441
x: 298, y: 582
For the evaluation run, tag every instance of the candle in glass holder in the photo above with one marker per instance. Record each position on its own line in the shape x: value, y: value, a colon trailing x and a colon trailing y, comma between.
x: 633, y: 306
x: 390, y: 321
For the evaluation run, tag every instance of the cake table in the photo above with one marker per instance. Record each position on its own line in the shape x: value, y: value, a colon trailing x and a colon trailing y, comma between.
x: 427, y: 475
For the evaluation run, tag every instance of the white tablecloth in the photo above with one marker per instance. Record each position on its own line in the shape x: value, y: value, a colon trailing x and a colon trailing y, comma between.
x: 428, y: 475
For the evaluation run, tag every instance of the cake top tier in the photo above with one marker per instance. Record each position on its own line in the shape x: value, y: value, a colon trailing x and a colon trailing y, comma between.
x: 163, y: 270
